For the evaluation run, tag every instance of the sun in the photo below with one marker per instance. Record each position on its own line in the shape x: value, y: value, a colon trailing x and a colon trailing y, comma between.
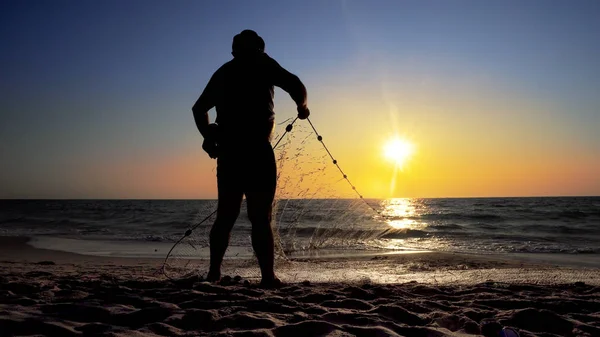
x: 398, y: 151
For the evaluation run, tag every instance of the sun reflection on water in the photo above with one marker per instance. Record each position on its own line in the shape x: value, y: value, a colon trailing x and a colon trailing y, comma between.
x: 403, y: 216
x: 401, y: 213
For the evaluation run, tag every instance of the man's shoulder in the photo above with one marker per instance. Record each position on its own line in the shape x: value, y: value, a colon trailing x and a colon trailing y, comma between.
x: 233, y: 66
x: 222, y: 70
x: 224, y: 67
x: 228, y: 63
x: 269, y: 59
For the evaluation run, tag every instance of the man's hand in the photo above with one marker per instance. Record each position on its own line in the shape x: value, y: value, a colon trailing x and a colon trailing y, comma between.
x: 210, y: 146
x: 303, y: 112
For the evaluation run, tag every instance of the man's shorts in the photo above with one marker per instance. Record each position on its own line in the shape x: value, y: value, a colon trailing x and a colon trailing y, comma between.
x: 249, y: 168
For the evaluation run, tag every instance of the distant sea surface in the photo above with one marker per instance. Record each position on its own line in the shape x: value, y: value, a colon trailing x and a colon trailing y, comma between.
x: 552, y: 226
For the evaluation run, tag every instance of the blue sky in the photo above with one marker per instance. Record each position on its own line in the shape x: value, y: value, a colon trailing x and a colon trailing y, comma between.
x: 88, y: 83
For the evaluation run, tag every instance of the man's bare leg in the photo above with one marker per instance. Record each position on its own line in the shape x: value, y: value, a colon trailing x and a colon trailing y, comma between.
x: 264, y: 248
x: 228, y: 210
x: 259, y: 197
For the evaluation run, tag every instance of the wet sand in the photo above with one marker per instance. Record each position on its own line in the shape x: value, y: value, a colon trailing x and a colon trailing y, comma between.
x: 46, y: 292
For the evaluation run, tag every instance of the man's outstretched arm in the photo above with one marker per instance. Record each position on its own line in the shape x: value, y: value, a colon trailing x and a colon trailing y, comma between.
x: 293, y: 86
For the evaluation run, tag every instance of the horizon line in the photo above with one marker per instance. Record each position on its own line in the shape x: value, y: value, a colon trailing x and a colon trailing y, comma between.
x: 199, y: 199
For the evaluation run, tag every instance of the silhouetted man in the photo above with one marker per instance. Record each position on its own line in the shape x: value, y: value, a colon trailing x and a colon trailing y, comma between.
x: 242, y: 91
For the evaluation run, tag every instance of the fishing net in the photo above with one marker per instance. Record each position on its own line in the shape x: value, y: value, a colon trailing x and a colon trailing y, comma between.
x: 317, y: 211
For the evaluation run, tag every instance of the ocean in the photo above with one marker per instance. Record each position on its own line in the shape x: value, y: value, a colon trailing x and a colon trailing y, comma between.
x: 550, y: 228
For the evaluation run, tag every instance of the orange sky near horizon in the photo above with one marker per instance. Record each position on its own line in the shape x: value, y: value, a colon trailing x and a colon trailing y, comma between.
x: 456, y: 154
x: 474, y: 145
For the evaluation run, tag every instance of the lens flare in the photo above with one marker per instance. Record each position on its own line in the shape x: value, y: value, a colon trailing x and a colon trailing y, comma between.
x: 398, y: 151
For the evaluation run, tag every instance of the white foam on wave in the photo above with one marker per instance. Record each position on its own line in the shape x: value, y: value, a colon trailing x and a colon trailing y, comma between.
x: 141, y: 249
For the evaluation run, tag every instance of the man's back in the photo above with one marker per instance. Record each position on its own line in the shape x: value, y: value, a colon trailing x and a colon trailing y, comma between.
x: 242, y: 91
x: 245, y: 105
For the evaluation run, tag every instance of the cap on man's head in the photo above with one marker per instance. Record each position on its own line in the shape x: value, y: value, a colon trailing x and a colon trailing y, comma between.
x: 247, y: 43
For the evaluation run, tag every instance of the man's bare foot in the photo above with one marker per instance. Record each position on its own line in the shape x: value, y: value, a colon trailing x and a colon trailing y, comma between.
x: 213, y: 276
x: 271, y: 283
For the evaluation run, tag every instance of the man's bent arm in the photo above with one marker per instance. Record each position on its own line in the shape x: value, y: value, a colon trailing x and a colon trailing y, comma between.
x: 201, y: 119
x: 204, y: 103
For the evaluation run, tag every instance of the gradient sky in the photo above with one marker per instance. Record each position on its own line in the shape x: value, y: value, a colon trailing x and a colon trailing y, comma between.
x: 500, y: 98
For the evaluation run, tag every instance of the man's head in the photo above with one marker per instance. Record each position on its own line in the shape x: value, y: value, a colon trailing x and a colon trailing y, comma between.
x: 247, y: 43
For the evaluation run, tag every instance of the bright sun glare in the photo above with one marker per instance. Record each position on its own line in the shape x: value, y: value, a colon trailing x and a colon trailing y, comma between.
x: 398, y: 151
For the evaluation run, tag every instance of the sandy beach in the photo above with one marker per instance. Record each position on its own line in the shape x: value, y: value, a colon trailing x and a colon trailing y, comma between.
x: 53, y: 293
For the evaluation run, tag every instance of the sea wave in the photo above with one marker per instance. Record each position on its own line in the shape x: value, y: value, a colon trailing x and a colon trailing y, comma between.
x: 549, y: 225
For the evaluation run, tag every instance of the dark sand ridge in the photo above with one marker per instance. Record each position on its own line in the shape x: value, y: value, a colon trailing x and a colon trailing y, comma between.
x: 71, y: 294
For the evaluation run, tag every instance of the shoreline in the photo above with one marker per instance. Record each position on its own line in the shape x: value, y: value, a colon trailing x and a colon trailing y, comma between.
x: 156, y: 251
x: 424, y: 267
